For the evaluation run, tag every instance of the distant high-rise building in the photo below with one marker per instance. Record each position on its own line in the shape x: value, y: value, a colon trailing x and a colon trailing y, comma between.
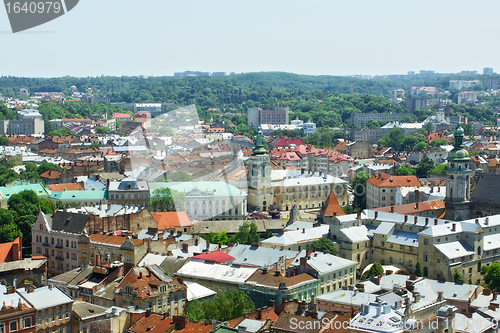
x: 28, y: 122
x: 487, y: 71
x: 493, y: 84
x: 257, y: 116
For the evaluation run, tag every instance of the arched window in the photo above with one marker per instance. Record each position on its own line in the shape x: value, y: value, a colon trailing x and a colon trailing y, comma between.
x: 52, y: 241
x: 479, y: 250
x: 67, y: 243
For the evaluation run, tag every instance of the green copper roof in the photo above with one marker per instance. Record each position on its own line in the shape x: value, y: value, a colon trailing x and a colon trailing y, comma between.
x: 458, y: 152
x: 78, y: 195
x: 7, y: 191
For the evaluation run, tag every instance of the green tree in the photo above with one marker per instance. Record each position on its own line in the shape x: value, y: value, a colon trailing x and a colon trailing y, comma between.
x: 375, y: 270
x: 180, y: 176
x: 217, y: 238
x: 247, y: 234
x: 424, y: 167
x: 418, y: 269
x: 225, y: 306
x: 457, y: 276
x: 4, y: 141
x: 268, y: 234
x: 322, y: 245
x: 167, y: 200
x: 439, y: 142
x: 359, y: 190
x: 394, y: 138
x: 491, y: 275
x: 429, y: 127
x: 101, y: 130
x: 405, y: 170
x: 421, y: 146
x: 373, y: 124
x: 439, y: 169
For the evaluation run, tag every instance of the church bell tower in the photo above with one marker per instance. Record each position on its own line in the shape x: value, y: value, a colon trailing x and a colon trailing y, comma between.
x: 458, y: 178
x: 260, y: 191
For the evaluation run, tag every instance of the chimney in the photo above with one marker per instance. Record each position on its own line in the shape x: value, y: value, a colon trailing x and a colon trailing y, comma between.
x: 148, y: 313
x: 376, y: 215
x: 388, y: 272
x: 416, y: 296
x: 358, y: 216
x: 392, y: 209
x: 440, y: 296
x: 453, y: 227
x: 493, y: 306
x: 435, y: 221
x: 486, y: 220
x: 494, y: 296
x: 281, y: 232
x: 98, y: 260
x: 11, y: 290
x: 486, y: 292
x: 477, y: 221
x: 140, y: 275
x: 272, y: 303
x: 303, y: 230
x: 417, y: 196
x: 416, y: 205
x: 302, y: 171
x: 180, y: 322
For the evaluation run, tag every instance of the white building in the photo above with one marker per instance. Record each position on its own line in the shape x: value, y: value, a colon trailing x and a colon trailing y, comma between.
x: 28, y: 122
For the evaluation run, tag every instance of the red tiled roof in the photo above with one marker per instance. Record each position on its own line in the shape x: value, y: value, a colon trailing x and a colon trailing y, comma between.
x: 65, y: 187
x: 112, y: 240
x: 153, y: 324
x: 385, y: 180
x: 217, y: 256
x: 122, y: 115
x: 332, y: 207
x: 8, y: 251
x: 340, y: 157
x: 51, y: 174
x: 77, y: 119
x: 284, y: 142
x: 412, y: 207
x: 170, y: 220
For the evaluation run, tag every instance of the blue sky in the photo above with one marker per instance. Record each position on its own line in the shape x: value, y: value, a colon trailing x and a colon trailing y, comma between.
x: 160, y: 37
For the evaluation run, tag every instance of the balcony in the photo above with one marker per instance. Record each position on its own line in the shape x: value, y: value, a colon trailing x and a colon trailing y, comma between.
x: 59, y: 258
x: 59, y: 246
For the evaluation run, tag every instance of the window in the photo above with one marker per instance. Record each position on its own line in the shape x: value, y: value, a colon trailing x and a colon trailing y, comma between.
x: 53, y: 317
x: 84, y: 253
x: 13, y: 326
x: 383, y: 198
x: 46, y: 319
x: 67, y: 314
x: 426, y: 258
x: 27, y: 322
x: 60, y: 315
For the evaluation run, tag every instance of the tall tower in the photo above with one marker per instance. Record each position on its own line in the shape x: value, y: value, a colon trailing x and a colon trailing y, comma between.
x: 260, y: 190
x: 458, y: 176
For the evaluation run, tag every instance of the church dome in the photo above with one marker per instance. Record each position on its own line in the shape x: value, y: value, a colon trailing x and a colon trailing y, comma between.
x: 459, y: 131
x: 458, y: 154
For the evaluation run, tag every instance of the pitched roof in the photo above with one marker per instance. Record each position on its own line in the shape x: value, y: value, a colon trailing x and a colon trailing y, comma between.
x: 217, y: 256
x: 486, y: 189
x: 10, y: 251
x: 69, y: 222
x: 170, y: 220
x: 112, y: 239
x: 412, y: 208
x: 270, y: 280
x: 65, y: 187
x: 385, y: 180
x: 154, y: 323
x: 51, y: 174
x: 332, y: 207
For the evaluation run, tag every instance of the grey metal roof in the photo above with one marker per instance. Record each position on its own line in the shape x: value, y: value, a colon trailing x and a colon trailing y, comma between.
x: 404, y: 238
x: 454, y: 291
x: 455, y: 249
x: 348, y: 297
x: 486, y: 189
x: 324, y: 263
x: 76, y: 275
x: 160, y: 273
x: 45, y: 297
x: 356, y: 234
x: 11, y: 299
x: 85, y: 309
x: 250, y: 325
x: 69, y: 222
x: 384, y: 228
x: 26, y: 264
x: 259, y: 256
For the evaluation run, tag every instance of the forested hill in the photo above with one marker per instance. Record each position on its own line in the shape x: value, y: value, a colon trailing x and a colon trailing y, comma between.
x: 325, y: 99
x: 226, y: 90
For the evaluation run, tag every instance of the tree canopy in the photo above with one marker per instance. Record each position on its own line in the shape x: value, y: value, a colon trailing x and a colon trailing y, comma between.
x: 424, y: 167
x: 405, y: 170
x: 491, y: 275
x: 167, y: 200
x: 359, y: 190
x: 225, y: 306
x: 322, y: 245
x: 375, y: 270
x: 247, y: 234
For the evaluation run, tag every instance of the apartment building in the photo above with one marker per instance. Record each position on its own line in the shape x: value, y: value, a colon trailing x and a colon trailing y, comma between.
x: 277, y: 116
x: 28, y: 122
x: 381, y: 189
x: 130, y: 192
